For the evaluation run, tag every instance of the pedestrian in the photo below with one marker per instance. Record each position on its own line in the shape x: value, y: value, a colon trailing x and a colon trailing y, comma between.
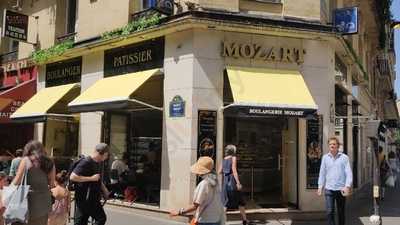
x: 3, y: 183
x: 118, y: 168
x: 231, y: 188
x: 62, y: 201
x: 336, y: 178
x: 207, y: 203
x: 384, y: 173
x: 15, y: 162
x: 89, y: 188
x: 394, y: 166
x: 40, y: 177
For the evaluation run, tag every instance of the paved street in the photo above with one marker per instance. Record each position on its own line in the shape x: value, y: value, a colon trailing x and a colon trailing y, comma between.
x: 359, y: 210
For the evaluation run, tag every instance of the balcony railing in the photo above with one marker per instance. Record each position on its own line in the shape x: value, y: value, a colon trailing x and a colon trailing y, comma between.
x: 8, y: 57
x: 70, y: 36
x: 383, y: 65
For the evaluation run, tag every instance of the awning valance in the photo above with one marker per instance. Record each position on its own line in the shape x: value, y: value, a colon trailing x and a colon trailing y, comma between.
x: 122, y: 92
x: 47, y: 102
x: 13, y: 98
x: 263, y: 92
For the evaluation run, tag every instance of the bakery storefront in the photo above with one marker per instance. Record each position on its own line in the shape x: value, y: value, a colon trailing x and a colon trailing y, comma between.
x: 268, y: 95
x: 55, y: 126
x: 130, y: 96
x: 261, y: 111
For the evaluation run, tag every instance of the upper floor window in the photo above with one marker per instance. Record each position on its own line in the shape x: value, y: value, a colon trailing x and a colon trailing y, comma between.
x: 71, y: 16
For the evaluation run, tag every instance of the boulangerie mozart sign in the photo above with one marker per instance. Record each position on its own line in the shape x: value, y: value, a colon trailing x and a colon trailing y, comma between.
x: 15, y: 25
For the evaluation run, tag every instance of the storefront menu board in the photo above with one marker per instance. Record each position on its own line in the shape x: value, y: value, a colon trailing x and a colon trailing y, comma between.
x: 207, y: 133
x: 314, y: 151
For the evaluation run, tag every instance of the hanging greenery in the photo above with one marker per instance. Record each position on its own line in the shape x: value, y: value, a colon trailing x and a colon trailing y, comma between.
x: 43, y: 55
x: 384, y: 18
x: 358, y: 60
x: 136, y: 25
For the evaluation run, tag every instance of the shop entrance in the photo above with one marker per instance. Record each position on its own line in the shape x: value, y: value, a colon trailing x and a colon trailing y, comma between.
x: 267, y: 158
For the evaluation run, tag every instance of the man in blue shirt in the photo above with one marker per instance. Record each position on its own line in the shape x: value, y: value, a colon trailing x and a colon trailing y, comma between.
x: 336, y: 177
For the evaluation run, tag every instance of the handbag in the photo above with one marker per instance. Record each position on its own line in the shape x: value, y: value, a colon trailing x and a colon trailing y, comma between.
x: 16, y: 202
x: 231, y: 184
x: 390, y: 182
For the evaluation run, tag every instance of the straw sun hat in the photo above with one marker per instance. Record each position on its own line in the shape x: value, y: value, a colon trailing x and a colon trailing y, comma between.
x: 203, y: 165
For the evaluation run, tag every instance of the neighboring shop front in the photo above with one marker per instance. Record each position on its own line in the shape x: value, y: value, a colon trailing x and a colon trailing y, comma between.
x: 58, y: 84
x: 18, y: 85
x: 128, y: 96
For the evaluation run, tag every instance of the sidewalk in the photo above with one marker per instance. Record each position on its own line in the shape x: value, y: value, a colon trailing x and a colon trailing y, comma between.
x: 359, y: 209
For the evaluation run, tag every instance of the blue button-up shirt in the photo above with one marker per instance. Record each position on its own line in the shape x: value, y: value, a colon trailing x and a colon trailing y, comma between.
x: 335, y: 172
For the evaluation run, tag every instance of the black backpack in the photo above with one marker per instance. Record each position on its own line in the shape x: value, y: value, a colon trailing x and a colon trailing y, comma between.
x: 70, y: 183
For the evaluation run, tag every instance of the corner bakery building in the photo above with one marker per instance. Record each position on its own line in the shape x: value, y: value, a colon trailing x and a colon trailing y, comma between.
x: 168, y: 97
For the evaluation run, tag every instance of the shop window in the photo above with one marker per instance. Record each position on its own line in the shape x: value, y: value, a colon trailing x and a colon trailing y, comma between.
x: 61, y: 141
x: 136, y: 143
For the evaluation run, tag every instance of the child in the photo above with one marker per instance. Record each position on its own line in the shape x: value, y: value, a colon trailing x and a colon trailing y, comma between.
x: 61, y: 206
x: 3, y: 183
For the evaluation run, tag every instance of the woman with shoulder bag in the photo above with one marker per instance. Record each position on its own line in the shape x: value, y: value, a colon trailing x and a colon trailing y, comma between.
x: 231, y: 189
x: 40, y: 177
x: 207, y: 203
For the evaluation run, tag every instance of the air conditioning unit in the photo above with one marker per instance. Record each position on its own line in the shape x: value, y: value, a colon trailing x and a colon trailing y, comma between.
x: 166, y: 6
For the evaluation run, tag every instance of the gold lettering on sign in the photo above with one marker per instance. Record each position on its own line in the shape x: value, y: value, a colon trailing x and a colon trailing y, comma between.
x: 133, y: 58
x: 247, y: 51
x: 287, y: 55
x: 273, y: 55
x: 230, y: 50
x: 259, y: 52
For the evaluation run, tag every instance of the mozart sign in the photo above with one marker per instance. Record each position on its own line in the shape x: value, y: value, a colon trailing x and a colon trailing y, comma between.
x: 260, y: 52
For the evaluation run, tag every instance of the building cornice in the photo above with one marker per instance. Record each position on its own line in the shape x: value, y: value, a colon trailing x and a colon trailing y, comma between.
x: 226, y: 22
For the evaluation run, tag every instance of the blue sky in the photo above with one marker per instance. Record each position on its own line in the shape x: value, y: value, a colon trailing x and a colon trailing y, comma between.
x: 396, y: 16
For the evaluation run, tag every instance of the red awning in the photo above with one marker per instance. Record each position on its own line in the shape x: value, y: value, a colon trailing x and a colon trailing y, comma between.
x: 12, y: 99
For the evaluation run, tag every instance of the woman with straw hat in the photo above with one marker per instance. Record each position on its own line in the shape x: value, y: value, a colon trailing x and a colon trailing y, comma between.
x: 207, y: 203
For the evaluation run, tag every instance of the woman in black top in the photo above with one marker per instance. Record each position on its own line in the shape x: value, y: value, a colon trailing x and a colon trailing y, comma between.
x: 231, y: 189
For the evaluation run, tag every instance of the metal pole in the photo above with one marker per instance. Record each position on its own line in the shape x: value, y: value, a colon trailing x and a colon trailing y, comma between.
x: 376, y: 180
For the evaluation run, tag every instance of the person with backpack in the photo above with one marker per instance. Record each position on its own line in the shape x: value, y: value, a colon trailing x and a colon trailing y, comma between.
x: 62, y: 201
x: 89, y: 188
x: 207, y: 203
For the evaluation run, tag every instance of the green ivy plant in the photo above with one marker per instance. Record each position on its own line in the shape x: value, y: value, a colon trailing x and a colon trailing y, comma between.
x: 43, y: 55
x: 384, y: 18
x: 137, y: 25
x: 358, y: 61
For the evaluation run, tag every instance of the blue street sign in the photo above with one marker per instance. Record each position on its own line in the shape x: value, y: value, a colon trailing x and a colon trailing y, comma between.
x: 177, y: 107
x: 346, y: 20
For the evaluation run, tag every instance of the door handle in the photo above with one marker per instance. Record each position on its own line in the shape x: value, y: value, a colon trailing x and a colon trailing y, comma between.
x: 279, y: 162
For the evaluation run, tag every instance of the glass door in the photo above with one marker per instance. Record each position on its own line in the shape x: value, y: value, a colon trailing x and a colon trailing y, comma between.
x: 259, y: 153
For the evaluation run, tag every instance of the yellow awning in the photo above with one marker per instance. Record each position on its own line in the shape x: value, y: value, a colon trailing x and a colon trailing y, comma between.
x: 117, y: 91
x: 268, y: 88
x: 52, y: 100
